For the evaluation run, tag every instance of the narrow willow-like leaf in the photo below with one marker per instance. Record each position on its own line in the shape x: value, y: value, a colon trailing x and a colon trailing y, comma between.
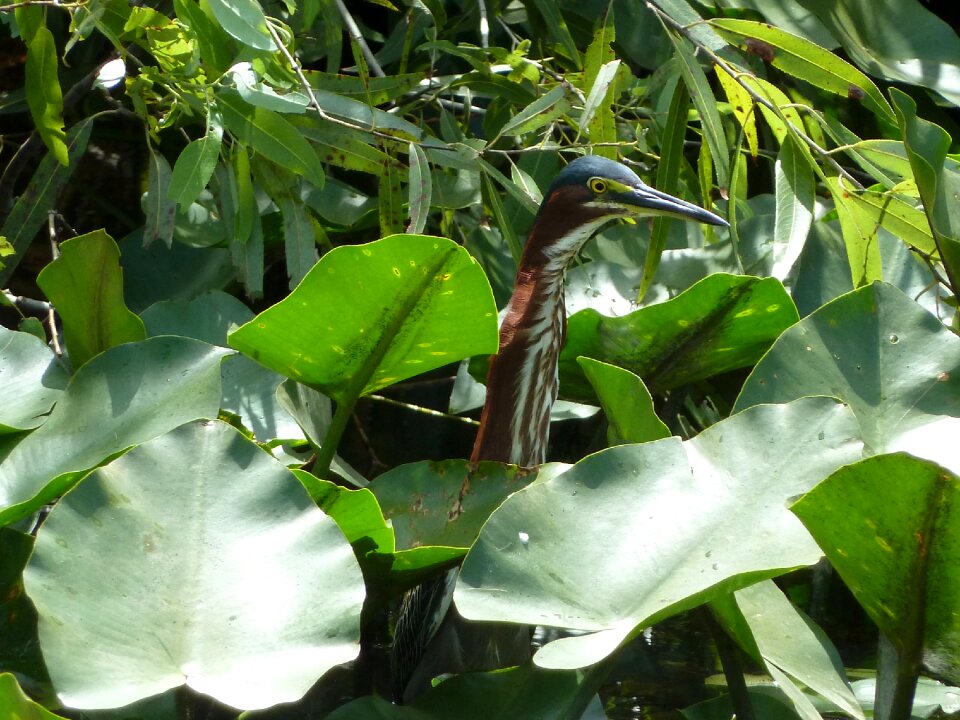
x: 859, y: 230
x: 248, y: 259
x: 194, y: 168
x: 271, y: 135
x: 420, y: 189
x: 246, y: 208
x: 805, y: 60
x: 244, y: 20
x: 515, y: 192
x: 742, y: 105
x: 30, y: 211
x: 257, y: 93
x: 216, y: 47
x: 927, y: 145
x: 527, y: 119
x: 794, y: 190
x: 598, y: 101
x: 706, y: 104
x: 300, y: 249
x: 44, y: 97
x: 558, y: 28
x: 527, y: 184
x: 160, y: 209
x: 85, y: 284
x: 390, y: 195
x: 492, y: 199
x: 668, y: 172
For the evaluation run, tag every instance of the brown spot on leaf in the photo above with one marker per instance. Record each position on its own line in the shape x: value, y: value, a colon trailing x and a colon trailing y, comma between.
x: 855, y: 93
x: 762, y: 49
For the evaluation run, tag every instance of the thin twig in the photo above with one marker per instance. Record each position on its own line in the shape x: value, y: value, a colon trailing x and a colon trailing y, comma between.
x: 757, y: 97
x: 484, y: 25
x: 55, y: 253
x: 354, y: 32
x: 424, y: 410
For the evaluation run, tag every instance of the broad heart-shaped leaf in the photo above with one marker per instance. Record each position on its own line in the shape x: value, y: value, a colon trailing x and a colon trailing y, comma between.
x: 85, y: 285
x: 874, y: 348
x: 890, y: 525
x: 722, y: 323
x: 637, y: 533
x: 31, y: 381
x: 210, y: 567
x: 626, y: 403
x: 444, y: 503
x: 368, y: 316
x: 122, y: 397
x: 249, y: 389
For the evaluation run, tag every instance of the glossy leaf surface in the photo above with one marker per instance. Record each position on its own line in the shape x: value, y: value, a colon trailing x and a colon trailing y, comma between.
x: 366, y: 317
x: 214, y: 552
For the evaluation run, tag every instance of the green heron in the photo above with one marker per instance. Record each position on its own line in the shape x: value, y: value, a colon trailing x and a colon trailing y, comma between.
x: 522, y: 386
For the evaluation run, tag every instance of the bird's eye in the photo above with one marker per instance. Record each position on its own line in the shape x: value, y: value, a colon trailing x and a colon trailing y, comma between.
x: 598, y: 185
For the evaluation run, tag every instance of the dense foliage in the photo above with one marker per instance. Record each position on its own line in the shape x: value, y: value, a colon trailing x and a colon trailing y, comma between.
x: 229, y: 436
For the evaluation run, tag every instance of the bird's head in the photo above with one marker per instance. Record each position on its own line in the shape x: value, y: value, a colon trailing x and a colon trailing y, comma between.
x: 591, y: 190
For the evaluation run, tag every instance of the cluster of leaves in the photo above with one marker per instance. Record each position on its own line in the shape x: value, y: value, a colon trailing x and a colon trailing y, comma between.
x: 201, y: 529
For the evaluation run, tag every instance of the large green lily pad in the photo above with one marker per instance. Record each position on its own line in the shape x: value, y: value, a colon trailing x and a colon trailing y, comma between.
x: 637, y: 533
x: 196, y: 559
x: 368, y: 316
x: 31, y: 381
x: 124, y: 396
x: 895, y: 364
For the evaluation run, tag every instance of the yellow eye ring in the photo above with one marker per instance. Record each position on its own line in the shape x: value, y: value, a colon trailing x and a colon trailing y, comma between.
x: 598, y: 185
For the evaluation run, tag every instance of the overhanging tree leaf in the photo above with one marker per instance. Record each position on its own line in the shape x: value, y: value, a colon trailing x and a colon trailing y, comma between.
x: 368, y: 316
x: 31, y: 208
x: 893, y: 362
x: 795, y: 200
x: 927, y: 145
x: 805, y: 60
x: 236, y: 583
x: 44, y: 97
x: 85, y: 285
x: 31, y: 382
x: 615, y: 583
x: 244, y: 20
x: 124, y: 396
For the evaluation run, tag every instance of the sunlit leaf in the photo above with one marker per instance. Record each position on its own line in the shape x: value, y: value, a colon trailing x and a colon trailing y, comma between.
x: 795, y: 200
x: 194, y: 167
x: 420, y: 189
x: 31, y: 382
x: 85, y: 284
x: 124, y: 396
x: 267, y: 552
x: 244, y: 20
x: 742, y: 105
x: 615, y: 583
x: 380, y: 313
x: 722, y: 323
x: 806, y: 60
x: 889, y: 526
x: 874, y: 348
x: 626, y: 403
x: 43, y: 92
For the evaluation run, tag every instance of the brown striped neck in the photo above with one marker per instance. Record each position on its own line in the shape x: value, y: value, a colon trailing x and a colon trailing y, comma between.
x: 522, y: 382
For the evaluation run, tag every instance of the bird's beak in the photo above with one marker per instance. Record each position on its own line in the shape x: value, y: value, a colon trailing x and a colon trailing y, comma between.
x: 643, y: 200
